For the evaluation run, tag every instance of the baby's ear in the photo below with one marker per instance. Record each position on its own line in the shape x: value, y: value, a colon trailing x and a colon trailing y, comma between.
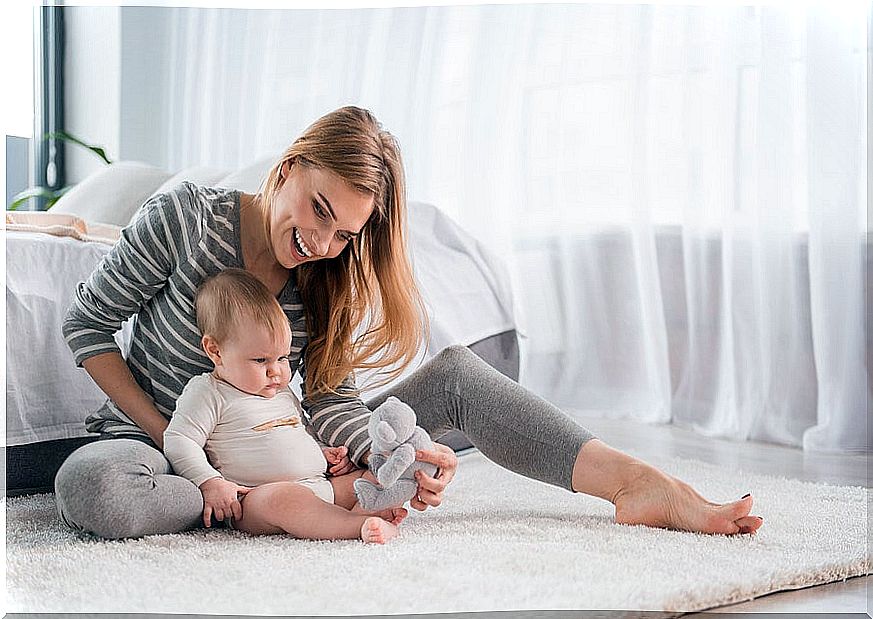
x: 210, y: 347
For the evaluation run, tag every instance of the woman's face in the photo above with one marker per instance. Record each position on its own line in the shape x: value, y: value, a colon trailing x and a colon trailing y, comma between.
x: 315, y: 214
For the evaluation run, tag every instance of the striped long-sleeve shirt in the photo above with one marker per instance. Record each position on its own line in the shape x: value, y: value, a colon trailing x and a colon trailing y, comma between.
x: 177, y: 240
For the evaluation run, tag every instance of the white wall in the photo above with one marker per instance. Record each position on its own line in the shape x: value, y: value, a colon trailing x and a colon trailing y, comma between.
x: 144, y: 46
x: 92, y: 89
x: 113, y: 92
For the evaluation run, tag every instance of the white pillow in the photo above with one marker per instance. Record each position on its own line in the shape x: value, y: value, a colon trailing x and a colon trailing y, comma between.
x: 249, y: 179
x: 199, y: 175
x: 113, y: 194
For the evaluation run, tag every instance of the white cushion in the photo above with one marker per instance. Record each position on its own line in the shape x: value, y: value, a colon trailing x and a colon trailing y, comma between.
x: 199, y: 175
x: 113, y: 194
x: 249, y: 179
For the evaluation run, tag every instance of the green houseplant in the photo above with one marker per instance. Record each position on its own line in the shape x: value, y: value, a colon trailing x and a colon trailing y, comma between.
x: 53, y: 195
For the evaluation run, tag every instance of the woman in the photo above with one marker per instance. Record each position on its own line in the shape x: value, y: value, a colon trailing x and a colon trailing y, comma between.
x: 326, y: 235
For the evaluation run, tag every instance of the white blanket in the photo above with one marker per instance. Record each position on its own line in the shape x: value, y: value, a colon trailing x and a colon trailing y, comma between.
x: 47, y: 397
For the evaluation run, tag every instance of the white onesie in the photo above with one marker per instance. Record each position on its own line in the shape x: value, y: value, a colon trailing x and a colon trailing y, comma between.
x: 249, y: 440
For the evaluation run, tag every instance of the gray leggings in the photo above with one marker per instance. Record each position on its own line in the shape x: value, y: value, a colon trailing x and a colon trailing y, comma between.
x: 125, y: 488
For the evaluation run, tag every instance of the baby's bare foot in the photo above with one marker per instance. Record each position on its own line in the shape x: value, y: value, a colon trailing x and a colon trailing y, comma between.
x: 659, y: 500
x: 375, y: 530
x: 394, y: 515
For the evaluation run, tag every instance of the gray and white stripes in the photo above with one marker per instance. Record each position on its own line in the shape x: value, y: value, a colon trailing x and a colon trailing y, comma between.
x: 177, y: 240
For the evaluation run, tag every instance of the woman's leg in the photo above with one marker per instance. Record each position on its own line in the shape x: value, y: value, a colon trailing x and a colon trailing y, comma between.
x: 120, y: 488
x: 456, y: 390
x: 644, y: 495
x: 526, y: 434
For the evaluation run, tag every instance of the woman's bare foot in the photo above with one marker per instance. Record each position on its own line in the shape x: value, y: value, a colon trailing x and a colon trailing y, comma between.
x: 375, y: 530
x: 656, y: 499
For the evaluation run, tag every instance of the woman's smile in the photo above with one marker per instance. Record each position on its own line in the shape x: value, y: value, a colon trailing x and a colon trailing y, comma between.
x: 300, y: 245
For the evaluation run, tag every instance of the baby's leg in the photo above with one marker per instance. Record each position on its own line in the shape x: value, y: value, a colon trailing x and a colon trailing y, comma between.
x: 287, y: 507
x: 344, y: 487
x: 344, y: 496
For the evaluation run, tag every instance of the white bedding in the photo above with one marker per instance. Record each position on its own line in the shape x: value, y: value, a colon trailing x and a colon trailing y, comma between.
x: 47, y: 397
x: 466, y: 290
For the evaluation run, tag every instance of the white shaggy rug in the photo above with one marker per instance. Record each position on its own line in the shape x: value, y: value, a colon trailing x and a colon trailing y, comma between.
x: 499, y: 542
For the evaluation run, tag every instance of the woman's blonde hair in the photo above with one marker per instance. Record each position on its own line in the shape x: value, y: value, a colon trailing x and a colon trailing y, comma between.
x: 235, y: 299
x: 372, y: 277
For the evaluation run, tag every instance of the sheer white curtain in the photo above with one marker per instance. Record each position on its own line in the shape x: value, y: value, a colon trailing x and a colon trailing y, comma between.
x: 679, y: 191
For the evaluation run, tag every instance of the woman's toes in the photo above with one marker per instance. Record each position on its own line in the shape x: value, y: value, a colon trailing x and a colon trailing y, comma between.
x: 716, y: 522
x: 749, y: 524
x: 737, y: 509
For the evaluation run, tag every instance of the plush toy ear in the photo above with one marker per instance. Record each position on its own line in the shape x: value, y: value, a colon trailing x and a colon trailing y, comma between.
x: 385, y: 432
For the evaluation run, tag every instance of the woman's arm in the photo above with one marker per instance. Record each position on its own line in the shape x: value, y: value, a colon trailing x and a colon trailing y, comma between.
x: 136, y: 268
x: 338, y: 418
x: 112, y: 375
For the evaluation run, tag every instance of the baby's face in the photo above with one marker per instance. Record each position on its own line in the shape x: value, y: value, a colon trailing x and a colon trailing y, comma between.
x: 255, y: 361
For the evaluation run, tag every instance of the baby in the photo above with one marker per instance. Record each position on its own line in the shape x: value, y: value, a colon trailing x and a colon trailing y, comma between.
x: 240, y: 428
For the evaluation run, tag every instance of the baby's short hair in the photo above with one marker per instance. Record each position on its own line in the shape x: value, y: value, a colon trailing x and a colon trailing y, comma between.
x: 225, y: 300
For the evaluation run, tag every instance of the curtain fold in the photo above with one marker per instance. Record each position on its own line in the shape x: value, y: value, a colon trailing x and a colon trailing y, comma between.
x: 836, y: 160
x: 678, y: 190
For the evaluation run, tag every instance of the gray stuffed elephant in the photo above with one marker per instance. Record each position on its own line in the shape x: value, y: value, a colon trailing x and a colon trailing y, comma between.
x: 395, y: 438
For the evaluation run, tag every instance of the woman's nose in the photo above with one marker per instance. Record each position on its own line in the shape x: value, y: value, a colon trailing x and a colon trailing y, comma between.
x: 321, y: 241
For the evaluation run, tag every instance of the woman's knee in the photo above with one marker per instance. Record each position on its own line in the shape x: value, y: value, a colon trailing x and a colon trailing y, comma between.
x: 101, y: 487
x: 457, y: 364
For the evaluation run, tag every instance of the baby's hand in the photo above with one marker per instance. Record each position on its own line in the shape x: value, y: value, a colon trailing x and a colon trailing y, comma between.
x: 221, y: 499
x: 338, y: 460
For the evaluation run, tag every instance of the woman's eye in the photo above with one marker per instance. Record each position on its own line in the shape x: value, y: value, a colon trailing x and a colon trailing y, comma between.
x: 318, y: 210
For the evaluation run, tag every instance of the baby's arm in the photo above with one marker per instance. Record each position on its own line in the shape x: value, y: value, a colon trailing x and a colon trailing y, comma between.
x: 194, y: 419
x: 196, y: 415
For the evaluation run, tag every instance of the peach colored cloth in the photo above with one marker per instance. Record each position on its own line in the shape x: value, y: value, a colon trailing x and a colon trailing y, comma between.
x: 59, y: 224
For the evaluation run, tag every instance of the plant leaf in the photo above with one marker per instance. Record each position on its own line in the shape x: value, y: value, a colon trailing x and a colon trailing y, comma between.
x: 51, y: 196
x: 63, y: 135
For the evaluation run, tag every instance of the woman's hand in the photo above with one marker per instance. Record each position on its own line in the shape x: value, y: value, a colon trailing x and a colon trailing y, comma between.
x: 221, y: 499
x: 430, y: 489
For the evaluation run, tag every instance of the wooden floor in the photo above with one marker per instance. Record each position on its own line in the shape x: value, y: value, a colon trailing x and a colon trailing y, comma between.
x: 843, y: 597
